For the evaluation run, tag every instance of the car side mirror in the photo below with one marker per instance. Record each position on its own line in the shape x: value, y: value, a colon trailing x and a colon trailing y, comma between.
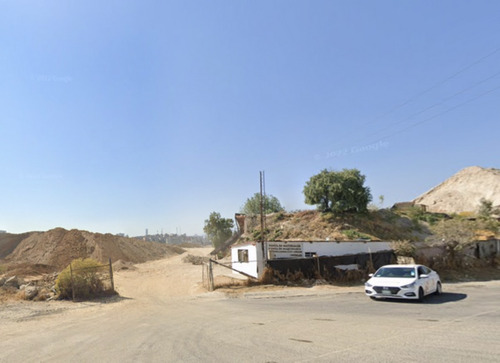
x: 424, y: 276
x: 370, y: 275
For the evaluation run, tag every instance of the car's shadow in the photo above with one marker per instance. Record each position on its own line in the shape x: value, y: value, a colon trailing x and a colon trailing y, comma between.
x: 444, y: 298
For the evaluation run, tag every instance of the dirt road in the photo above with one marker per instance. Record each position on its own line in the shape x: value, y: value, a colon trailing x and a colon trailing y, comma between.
x: 164, y: 315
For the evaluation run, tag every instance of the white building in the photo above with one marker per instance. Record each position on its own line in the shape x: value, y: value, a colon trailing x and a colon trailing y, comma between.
x: 248, y: 257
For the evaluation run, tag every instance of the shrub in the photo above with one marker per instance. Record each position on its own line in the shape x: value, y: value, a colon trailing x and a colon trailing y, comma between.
x: 353, y: 234
x: 404, y: 248
x: 86, y: 280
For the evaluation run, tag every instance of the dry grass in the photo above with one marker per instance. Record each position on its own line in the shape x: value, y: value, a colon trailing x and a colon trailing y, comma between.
x: 195, y: 260
x: 312, y: 225
x: 8, y: 293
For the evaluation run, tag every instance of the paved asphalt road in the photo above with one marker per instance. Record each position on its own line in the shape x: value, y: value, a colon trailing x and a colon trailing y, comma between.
x: 462, y: 325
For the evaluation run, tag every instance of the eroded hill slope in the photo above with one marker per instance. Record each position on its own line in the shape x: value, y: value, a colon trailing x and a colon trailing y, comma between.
x: 463, y: 191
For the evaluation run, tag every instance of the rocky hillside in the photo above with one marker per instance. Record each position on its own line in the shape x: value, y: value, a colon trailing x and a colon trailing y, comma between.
x: 316, y: 226
x: 55, y: 249
x: 463, y: 191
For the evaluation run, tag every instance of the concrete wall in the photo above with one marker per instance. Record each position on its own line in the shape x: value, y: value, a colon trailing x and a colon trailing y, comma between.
x: 255, y: 265
x: 279, y: 250
x: 291, y: 250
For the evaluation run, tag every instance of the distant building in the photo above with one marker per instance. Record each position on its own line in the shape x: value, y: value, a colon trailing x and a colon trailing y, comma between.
x: 3, y: 232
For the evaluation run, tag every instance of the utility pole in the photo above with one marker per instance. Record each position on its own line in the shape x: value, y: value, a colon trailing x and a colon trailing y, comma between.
x: 262, y: 223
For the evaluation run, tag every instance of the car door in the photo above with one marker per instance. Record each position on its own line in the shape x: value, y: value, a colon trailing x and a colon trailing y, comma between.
x: 425, y: 282
x: 431, y: 280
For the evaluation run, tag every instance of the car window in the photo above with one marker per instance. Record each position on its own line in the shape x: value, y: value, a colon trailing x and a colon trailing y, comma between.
x: 423, y: 270
x: 395, y: 272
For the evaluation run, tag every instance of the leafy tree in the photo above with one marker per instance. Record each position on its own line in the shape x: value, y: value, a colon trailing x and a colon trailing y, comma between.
x: 338, y: 191
x: 218, y: 229
x: 271, y: 204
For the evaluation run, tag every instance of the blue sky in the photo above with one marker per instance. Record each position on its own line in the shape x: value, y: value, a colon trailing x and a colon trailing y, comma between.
x: 116, y: 116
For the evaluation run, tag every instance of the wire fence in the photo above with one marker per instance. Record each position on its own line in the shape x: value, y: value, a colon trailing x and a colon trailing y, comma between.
x: 98, y: 278
x: 220, y: 273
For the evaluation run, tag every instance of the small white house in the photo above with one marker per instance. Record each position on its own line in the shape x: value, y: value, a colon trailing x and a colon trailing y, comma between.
x: 249, y: 257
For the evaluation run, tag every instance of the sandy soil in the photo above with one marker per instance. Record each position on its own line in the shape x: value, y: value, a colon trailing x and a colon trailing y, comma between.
x: 56, y: 248
x: 147, y: 284
x: 463, y: 191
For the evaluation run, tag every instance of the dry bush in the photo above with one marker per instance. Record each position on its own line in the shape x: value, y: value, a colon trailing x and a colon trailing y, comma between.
x: 404, y: 248
x: 86, y: 282
x: 267, y: 277
x: 195, y: 260
x: 9, y: 293
x: 349, y: 276
x: 227, y: 282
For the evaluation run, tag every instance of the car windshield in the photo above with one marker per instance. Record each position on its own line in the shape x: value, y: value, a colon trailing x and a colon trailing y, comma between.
x: 395, y: 272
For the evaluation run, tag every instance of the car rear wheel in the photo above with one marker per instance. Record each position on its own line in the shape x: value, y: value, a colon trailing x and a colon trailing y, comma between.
x: 439, y: 289
x: 420, y: 295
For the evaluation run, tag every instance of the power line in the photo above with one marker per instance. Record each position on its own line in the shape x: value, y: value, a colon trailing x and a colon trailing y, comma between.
x: 439, y: 83
x: 420, y: 94
x: 434, y: 105
x: 440, y: 114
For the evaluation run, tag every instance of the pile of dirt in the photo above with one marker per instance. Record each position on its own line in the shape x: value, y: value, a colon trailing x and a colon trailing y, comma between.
x: 463, y: 191
x: 56, y: 248
x: 9, y: 242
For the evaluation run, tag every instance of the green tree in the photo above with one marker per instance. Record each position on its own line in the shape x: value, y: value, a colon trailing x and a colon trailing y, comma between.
x: 271, y: 204
x: 218, y: 229
x: 338, y: 191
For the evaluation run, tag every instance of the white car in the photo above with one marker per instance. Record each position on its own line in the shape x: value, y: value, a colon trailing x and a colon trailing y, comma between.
x: 403, y: 282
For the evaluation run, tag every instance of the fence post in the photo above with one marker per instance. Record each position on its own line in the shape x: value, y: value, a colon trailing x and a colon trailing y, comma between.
x: 210, y: 276
x: 72, y: 284
x: 111, y: 275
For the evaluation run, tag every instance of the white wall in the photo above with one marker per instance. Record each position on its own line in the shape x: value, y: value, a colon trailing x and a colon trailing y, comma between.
x: 255, y: 265
x: 299, y: 249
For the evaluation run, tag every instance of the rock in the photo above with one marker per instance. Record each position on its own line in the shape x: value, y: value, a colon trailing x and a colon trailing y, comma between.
x: 12, y: 282
x: 30, y: 292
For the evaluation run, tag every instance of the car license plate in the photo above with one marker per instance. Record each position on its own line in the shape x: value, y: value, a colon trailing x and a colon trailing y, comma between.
x: 386, y: 292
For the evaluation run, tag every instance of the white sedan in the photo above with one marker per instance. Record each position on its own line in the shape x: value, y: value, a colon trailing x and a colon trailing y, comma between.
x: 403, y: 282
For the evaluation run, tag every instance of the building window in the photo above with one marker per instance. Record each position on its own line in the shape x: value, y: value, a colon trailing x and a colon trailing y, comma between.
x: 242, y: 255
x: 310, y: 254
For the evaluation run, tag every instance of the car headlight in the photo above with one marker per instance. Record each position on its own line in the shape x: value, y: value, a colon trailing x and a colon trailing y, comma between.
x: 409, y: 286
x: 368, y: 284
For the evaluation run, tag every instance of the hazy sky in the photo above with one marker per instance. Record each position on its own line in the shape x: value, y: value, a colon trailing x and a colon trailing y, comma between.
x: 116, y: 116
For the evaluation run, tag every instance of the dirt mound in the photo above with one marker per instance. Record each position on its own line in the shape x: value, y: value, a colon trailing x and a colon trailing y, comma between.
x: 9, y: 242
x: 58, y: 247
x: 463, y: 191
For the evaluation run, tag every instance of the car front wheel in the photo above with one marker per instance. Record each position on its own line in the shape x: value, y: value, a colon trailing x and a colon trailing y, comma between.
x: 439, y: 289
x: 420, y: 295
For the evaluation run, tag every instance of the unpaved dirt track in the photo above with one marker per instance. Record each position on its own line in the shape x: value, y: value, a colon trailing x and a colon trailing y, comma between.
x: 164, y: 316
